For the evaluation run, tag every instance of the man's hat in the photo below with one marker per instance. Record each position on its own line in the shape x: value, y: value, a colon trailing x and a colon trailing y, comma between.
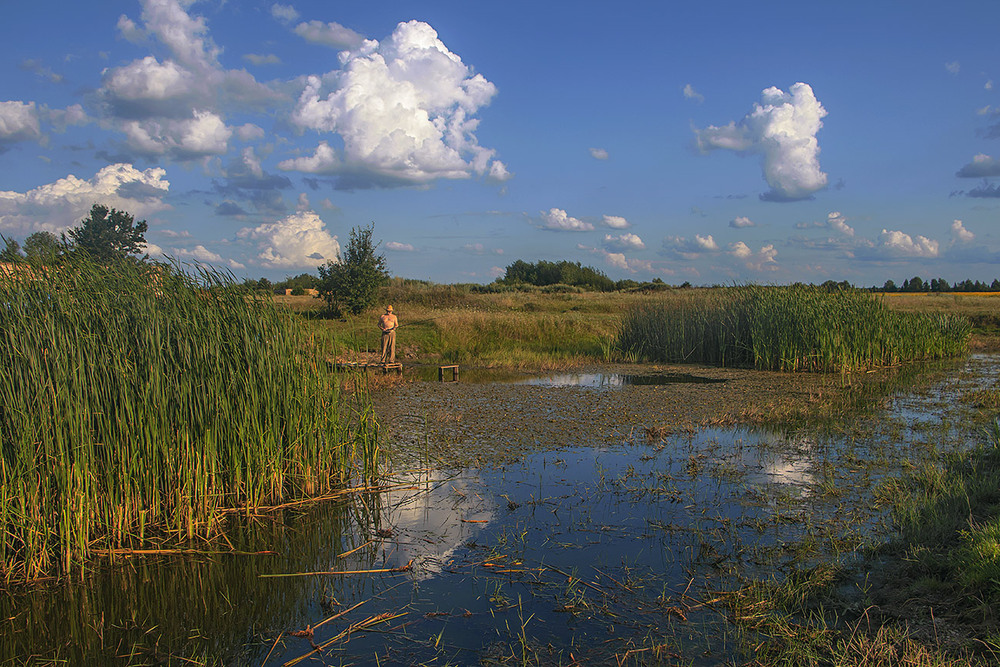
x: 388, y: 309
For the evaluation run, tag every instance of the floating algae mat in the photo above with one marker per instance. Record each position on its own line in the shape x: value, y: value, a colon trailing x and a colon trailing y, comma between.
x: 615, y: 379
x: 583, y: 553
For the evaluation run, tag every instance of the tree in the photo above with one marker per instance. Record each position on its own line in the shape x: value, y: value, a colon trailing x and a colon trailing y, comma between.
x: 352, y: 281
x: 11, y: 251
x: 109, y: 235
x: 43, y: 247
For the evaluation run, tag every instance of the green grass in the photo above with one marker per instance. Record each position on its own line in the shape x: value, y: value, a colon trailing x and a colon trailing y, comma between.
x: 788, y: 329
x: 136, y: 402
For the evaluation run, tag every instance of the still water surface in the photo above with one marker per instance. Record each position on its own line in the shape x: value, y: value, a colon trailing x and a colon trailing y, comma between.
x: 596, y: 554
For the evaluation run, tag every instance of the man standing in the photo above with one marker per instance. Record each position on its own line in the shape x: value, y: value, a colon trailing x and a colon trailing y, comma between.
x: 388, y: 323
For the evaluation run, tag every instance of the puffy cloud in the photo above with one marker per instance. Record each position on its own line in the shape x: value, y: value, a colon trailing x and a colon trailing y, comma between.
x: 18, y: 122
x: 323, y: 161
x: 598, y: 154
x: 782, y: 129
x: 404, y: 110
x: 691, y: 94
x: 625, y: 241
x: 175, y: 107
x: 57, y: 206
x: 954, y: 66
x: 764, y: 259
x: 899, y: 244
x: 616, y: 222
x: 690, y: 248
x: 203, y: 134
x: 299, y: 240
x: 396, y: 246
x: 329, y: 34
x: 836, y: 221
x: 982, y: 166
x: 741, y: 221
x: 557, y: 219
x: 199, y: 253
x: 959, y: 234
x: 740, y: 249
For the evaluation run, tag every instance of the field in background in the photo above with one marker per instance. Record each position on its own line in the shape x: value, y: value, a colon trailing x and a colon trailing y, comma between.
x: 549, y: 328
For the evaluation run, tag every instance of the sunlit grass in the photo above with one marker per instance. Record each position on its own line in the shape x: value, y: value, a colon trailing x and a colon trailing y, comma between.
x: 135, y: 400
x: 788, y: 329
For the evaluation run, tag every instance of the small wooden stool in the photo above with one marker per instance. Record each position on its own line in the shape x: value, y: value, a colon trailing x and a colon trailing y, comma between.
x: 393, y: 367
x: 454, y: 373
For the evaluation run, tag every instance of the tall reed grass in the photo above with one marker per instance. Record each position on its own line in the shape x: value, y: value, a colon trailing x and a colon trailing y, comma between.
x: 797, y: 328
x: 137, y: 401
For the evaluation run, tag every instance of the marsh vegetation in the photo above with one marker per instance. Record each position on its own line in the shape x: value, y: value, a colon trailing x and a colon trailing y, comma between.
x: 138, y: 402
x: 741, y: 517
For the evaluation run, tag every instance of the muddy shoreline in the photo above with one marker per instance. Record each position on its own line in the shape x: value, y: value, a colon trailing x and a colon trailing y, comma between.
x: 483, y: 423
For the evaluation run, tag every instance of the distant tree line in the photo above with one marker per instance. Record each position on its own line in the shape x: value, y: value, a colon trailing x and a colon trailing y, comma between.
x: 918, y: 284
x: 544, y: 274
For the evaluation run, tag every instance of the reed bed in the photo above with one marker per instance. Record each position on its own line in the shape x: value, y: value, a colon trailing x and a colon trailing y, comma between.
x: 797, y: 328
x: 142, y: 400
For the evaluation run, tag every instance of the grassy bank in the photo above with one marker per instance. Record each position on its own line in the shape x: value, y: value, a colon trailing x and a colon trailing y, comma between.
x: 136, y: 403
x: 782, y: 328
x: 455, y: 324
x: 787, y: 329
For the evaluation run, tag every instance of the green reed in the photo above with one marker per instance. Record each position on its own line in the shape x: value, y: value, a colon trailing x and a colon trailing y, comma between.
x: 797, y: 328
x: 139, y: 400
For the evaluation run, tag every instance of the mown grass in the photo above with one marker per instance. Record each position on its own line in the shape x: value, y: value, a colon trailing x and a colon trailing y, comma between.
x: 795, y: 328
x: 139, y: 400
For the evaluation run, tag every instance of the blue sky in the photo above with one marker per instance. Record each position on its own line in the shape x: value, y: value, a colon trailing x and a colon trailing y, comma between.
x: 768, y: 142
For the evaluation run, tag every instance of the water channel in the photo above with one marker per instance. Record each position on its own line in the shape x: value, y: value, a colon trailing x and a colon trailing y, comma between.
x: 596, y: 552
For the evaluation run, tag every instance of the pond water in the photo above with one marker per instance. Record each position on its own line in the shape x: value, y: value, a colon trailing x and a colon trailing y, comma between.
x: 581, y: 553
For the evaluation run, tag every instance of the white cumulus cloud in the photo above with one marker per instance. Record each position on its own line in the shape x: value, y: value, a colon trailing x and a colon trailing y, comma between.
x: 404, y: 109
x: 616, y: 222
x: 199, y: 253
x: 559, y: 220
x: 741, y: 221
x: 57, y: 206
x: 782, y: 129
x: 835, y: 220
x: 18, y: 122
x: 959, y: 233
x: 690, y: 248
x: 299, y: 240
x: 900, y: 244
x: 396, y: 246
x: 598, y: 154
x: 176, y: 106
x: 625, y: 241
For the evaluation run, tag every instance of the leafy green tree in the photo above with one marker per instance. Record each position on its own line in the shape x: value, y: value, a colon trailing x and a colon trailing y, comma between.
x: 11, y: 251
x: 353, y: 280
x: 109, y: 235
x: 43, y: 247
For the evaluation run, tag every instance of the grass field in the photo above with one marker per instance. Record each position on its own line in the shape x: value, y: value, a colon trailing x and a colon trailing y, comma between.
x: 551, y: 329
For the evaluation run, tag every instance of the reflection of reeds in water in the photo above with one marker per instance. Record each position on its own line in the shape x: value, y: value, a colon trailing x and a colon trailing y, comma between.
x: 136, y: 401
x: 209, y: 610
x: 788, y: 329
